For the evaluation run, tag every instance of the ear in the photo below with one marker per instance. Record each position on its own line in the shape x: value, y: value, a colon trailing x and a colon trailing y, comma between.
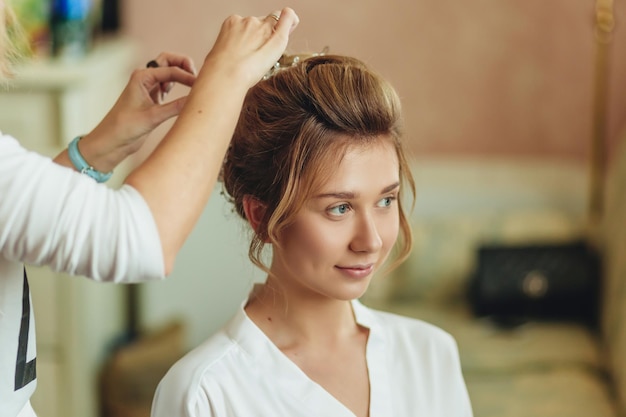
x: 255, y: 211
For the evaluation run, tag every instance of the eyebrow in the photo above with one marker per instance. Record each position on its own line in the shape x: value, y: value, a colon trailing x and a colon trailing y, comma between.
x: 347, y: 195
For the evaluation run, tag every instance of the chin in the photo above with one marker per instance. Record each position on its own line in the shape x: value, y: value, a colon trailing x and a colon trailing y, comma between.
x: 352, y: 292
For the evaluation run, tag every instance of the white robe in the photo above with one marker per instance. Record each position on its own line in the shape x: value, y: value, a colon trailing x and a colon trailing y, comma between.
x: 414, y: 370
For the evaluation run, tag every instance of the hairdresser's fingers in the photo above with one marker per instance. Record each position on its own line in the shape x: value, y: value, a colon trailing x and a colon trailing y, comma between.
x: 242, y: 46
x: 273, y: 17
x: 161, y: 113
x: 287, y: 22
x: 273, y: 45
x: 240, y: 36
x: 280, y: 37
x: 168, y: 59
x: 159, y: 81
x: 169, y: 75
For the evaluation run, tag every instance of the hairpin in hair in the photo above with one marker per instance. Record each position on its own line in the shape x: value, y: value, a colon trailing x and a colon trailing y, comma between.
x: 286, y: 61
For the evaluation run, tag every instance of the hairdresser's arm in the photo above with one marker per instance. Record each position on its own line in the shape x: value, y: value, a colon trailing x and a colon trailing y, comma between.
x: 178, y: 177
x: 138, y: 110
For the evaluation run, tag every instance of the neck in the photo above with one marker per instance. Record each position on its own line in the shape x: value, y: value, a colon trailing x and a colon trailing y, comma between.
x: 291, y: 319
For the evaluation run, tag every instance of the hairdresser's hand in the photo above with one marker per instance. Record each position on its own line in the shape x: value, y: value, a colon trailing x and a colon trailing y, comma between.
x: 138, y: 110
x: 247, y: 47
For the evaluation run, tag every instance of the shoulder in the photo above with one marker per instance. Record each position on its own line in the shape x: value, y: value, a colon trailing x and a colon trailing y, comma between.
x: 416, y: 344
x: 180, y: 391
x: 408, y: 330
x: 191, y: 386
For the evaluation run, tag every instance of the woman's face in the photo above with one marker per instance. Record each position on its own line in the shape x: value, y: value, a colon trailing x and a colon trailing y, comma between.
x: 345, y: 231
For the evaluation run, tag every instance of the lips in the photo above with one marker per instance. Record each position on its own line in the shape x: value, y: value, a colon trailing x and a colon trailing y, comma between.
x: 356, y: 271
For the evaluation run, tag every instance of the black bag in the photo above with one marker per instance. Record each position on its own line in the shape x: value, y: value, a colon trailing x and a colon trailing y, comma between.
x: 520, y: 283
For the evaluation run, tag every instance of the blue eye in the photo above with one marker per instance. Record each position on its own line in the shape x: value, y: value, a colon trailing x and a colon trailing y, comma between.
x: 386, y: 202
x: 339, y: 210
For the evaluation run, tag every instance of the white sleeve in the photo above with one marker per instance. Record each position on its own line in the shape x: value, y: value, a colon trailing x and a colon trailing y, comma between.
x: 52, y: 215
x: 188, y: 390
x: 458, y: 388
x: 179, y: 395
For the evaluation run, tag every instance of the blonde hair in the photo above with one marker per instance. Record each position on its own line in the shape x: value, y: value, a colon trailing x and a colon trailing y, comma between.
x: 12, y: 40
x: 295, y: 126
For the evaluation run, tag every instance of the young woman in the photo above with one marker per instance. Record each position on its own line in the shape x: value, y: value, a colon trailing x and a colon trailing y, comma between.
x: 50, y: 214
x: 316, y: 167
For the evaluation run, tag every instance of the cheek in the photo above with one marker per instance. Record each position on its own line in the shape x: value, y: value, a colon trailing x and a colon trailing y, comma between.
x: 311, y: 240
x: 390, y: 230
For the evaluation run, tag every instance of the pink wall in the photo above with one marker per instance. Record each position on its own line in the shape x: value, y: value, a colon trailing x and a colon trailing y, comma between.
x: 480, y: 77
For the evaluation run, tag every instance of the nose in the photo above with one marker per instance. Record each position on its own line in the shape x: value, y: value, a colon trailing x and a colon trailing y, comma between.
x: 366, y: 236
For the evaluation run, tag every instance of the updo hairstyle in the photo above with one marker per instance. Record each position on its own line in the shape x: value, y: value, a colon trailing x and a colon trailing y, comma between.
x: 295, y: 127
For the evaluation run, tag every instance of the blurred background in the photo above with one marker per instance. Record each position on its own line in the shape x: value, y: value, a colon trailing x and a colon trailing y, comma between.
x: 499, y: 102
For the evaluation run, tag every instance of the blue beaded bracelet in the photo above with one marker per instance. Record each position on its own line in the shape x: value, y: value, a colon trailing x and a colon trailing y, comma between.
x: 81, y: 165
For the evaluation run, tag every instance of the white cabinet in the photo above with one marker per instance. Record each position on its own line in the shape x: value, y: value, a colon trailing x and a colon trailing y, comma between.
x: 45, y: 107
